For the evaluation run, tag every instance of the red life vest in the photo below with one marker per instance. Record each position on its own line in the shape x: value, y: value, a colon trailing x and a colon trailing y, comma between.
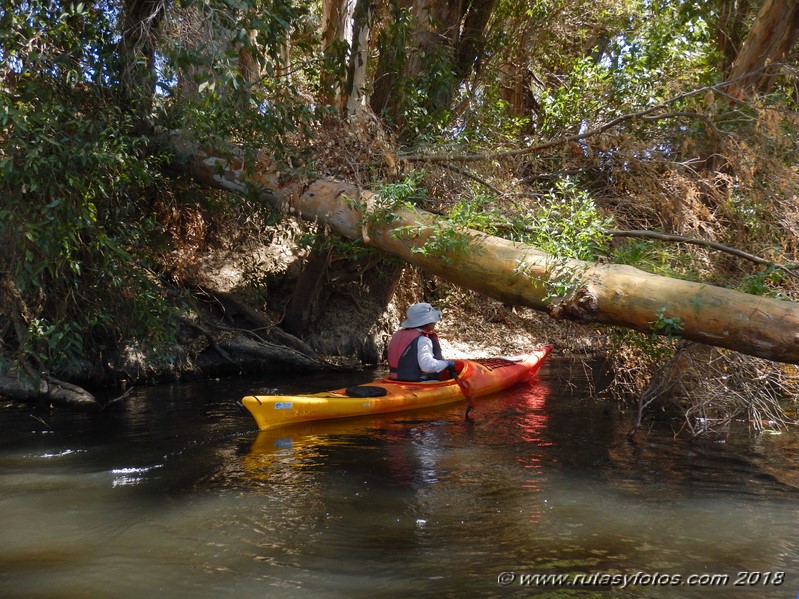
x: 403, y: 363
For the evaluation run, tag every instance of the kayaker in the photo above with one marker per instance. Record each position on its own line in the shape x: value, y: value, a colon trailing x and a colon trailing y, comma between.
x: 414, y: 353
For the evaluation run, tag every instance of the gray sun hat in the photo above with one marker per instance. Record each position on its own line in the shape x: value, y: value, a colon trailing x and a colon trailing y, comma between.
x: 419, y: 315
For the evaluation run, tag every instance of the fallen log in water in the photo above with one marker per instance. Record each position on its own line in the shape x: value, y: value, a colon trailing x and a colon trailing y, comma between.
x: 46, y: 391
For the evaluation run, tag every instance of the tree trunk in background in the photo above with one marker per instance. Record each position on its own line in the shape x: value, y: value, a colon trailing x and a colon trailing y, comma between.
x: 435, y: 53
x: 193, y: 27
x: 771, y: 37
x: 517, y: 84
x: 437, y: 28
x: 300, y: 308
x: 362, y: 23
x: 439, y: 53
x: 471, y: 42
x: 513, y: 273
x: 390, y: 62
x: 731, y: 29
x: 141, y: 25
x: 336, y: 34
x: 249, y: 66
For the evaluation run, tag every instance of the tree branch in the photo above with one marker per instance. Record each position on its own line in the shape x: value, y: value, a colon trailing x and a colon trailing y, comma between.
x: 788, y: 269
x: 647, y: 113
x: 473, y: 177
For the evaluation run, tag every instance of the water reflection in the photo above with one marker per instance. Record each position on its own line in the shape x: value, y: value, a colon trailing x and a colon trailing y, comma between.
x: 176, y: 493
x: 532, y: 420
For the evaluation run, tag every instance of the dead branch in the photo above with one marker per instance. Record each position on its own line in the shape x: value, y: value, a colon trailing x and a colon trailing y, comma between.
x: 473, y: 177
x: 209, y: 337
x: 231, y: 305
x: 118, y: 399
x: 45, y: 389
x: 788, y: 269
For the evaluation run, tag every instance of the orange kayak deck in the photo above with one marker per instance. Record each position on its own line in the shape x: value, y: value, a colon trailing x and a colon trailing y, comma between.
x: 481, y: 377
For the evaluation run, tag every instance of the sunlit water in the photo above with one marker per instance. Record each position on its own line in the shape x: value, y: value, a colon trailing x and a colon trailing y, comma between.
x: 173, y: 492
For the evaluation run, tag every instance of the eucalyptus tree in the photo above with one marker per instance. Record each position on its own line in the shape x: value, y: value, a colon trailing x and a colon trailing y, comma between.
x: 769, y: 42
x: 75, y: 173
x: 516, y: 98
x: 85, y: 90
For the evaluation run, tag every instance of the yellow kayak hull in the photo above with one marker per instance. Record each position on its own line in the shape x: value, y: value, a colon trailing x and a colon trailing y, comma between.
x: 479, y: 377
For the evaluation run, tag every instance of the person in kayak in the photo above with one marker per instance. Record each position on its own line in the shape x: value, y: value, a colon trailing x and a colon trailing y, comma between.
x: 414, y: 353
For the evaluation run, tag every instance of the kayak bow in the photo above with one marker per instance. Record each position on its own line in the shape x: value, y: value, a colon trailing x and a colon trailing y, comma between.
x: 482, y: 377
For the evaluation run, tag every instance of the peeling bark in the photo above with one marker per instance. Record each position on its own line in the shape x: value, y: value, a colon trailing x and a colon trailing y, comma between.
x: 362, y: 23
x: 516, y: 274
x: 771, y: 37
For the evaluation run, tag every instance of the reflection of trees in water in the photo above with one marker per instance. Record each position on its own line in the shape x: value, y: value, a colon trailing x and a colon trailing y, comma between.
x: 543, y: 477
x: 681, y: 468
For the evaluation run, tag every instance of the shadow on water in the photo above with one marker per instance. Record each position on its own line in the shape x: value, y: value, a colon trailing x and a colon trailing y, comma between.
x: 175, y: 492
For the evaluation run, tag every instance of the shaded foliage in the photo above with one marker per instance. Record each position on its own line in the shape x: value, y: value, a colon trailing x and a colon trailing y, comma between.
x: 524, y: 105
x: 87, y: 225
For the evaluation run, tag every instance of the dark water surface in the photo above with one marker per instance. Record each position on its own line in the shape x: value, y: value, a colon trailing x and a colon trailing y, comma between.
x: 173, y: 492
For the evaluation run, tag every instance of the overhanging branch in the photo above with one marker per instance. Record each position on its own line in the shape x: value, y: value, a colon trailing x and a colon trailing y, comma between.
x: 787, y: 269
x: 518, y: 274
x: 648, y: 113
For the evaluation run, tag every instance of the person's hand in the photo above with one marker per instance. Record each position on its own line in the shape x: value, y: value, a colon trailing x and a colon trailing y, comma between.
x: 451, y: 369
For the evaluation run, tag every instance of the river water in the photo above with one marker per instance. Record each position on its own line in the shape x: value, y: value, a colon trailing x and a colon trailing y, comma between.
x: 174, y: 492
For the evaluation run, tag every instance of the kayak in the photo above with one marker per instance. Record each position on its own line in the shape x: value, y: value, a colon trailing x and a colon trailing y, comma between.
x: 475, y: 378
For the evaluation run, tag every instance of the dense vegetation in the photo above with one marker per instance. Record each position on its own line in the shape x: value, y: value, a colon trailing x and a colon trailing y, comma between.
x: 568, y: 125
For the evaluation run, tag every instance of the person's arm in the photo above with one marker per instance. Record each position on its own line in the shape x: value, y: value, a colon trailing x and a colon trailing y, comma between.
x: 427, y: 362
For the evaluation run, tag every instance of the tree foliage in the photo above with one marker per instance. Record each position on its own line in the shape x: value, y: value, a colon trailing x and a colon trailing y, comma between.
x: 77, y: 182
x: 518, y: 108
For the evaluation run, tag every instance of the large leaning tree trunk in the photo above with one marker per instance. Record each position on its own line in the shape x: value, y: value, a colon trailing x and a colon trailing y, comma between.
x: 514, y: 273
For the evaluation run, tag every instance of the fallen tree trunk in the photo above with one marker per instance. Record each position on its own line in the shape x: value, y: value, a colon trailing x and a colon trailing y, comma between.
x: 46, y: 391
x: 516, y: 274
